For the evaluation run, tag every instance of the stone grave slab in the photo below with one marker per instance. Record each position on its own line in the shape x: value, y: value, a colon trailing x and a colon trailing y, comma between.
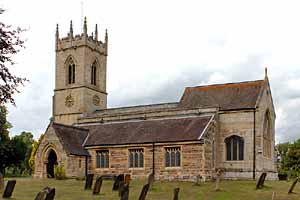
x: 51, y: 194
x: 144, y: 192
x: 293, y: 185
x: 125, y: 192
x: 261, y: 180
x: 10, y: 186
x: 116, y: 184
x: 150, y: 180
x: 176, y: 194
x: 89, y: 181
x: 97, y: 186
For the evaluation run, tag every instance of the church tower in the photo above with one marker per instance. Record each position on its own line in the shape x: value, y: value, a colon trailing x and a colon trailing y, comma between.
x: 80, y: 75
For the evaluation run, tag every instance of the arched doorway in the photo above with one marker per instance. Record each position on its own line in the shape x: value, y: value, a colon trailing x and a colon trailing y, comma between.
x: 52, y: 161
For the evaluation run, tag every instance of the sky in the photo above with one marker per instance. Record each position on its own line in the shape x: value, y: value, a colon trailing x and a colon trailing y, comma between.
x: 157, y: 48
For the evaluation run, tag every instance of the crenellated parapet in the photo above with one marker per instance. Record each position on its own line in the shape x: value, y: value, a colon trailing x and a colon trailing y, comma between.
x: 81, y: 40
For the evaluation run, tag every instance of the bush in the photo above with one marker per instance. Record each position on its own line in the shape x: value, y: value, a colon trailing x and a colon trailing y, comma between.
x: 59, y: 172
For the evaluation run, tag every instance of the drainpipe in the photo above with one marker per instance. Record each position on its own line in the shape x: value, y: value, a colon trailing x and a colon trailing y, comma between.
x: 254, y: 145
x: 153, y: 163
x: 86, y: 166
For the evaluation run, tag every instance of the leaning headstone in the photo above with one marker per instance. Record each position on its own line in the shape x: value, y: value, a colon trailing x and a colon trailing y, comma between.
x: 89, y: 181
x: 1, y: 182
x: 293, y: 185
x: 127, y: 179
x: 9, y: 189
x: 261, y: 180
x: 125, y: 192
x: 117, y: 182
x: 218, y: 177
x: 97, y: 186
x: 121, y: 187
x: 176, y: 194
x: 150, y: 180
x: 51, y: 194
x: 144, y: 192
x: 198, y: 179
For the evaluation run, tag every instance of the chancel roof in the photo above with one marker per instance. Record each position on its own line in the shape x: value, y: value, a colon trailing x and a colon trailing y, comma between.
x: 147, y: 131
x: 229, y: 96
x: 72, y: 138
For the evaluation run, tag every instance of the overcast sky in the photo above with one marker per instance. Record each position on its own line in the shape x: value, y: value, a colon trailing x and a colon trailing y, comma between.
x: 158, y: 47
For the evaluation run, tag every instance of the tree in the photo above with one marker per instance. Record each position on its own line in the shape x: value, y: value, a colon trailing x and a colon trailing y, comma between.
x: 10, y: 44
x: 4, y: 125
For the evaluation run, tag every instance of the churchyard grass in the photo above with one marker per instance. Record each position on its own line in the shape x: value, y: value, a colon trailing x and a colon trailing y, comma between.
x: 71, y: 189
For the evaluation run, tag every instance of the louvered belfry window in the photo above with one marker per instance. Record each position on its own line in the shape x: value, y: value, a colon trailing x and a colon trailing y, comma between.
x: 136, y: 158
x: 172, y: 156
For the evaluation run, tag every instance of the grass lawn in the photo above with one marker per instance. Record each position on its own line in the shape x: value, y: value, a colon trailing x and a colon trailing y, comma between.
x: 27, y: 188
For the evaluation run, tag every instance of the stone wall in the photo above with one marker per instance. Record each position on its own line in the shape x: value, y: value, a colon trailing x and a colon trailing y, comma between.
x: 194, y: 161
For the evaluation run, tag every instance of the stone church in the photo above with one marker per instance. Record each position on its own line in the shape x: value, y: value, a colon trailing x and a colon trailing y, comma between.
x: 226, y: 126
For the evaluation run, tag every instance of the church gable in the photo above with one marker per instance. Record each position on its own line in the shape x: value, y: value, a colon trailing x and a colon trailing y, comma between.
x: 229, y: 96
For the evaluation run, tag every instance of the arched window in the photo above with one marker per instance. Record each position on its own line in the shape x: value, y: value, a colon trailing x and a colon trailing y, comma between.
x: 234, y: 148
x: 94, y: 73
x: 71, y: 71
x: 267, y: 135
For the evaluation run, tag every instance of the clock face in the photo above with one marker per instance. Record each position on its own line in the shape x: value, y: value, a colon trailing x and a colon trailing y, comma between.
x: 69, y: 101
x: 96, y: 100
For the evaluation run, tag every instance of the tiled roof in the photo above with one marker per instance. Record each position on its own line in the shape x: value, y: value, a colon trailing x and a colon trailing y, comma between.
x: 229, y: 96
x: 72, y: 138
x: 147, y: 131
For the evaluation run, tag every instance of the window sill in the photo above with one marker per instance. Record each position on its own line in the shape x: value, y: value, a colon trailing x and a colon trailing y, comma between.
x: 173, y: 168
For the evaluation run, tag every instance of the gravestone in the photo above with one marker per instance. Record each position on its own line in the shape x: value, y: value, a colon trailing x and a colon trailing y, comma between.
x: 273, y: 196
x: 10, y: 186
x: 218, y: 177
x: 293, y: 185
x: 150, y: 180
x: 89, y: 181
x: 51, y: 194
x: 176, y: 194
x: 1, y: 182
x: 41, y: 194
x: 117, y: 182
x: 261, y: 180
x: 125, y: 192
x: 97, y: 186
x: 144, y: 192
x: 127, y: 179
x: 121, y: 187
x: 198, y: 179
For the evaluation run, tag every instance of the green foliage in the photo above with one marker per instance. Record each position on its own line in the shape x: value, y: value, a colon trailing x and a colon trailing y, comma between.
x: 35, y: 146
x: 289, y: 158
x: 4, y: 125
x: 59, y: 172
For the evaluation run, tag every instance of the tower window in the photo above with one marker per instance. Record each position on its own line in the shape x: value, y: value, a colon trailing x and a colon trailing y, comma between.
x: 71, y: 72
x: 93, y: 73
x: 234, y: 148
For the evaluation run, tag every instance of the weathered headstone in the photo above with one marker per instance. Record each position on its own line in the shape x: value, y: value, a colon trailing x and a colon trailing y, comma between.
x: 144, y: 192
x: 198, y: 179
x: 117, y: 182
x: 1, y: 182
x: 97, y: 186
x: 121, y: 187
x: 176, y: 194
x: 89, y: 181
x: 41, y: 194
x: 261, y: 180
x: 125, y: 192
x: 218, y: 177
x: 10, y: 186
x: 293, y: 185
x: 51, y: 194
x: 150, y: 180
x: 273, y: 195
x: 127, y: 178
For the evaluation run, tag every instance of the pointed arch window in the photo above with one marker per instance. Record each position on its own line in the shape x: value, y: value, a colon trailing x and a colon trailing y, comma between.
x: 94, y: 73
x: 267, y: 135
x: 234, y: 148
x: 71, y: 71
